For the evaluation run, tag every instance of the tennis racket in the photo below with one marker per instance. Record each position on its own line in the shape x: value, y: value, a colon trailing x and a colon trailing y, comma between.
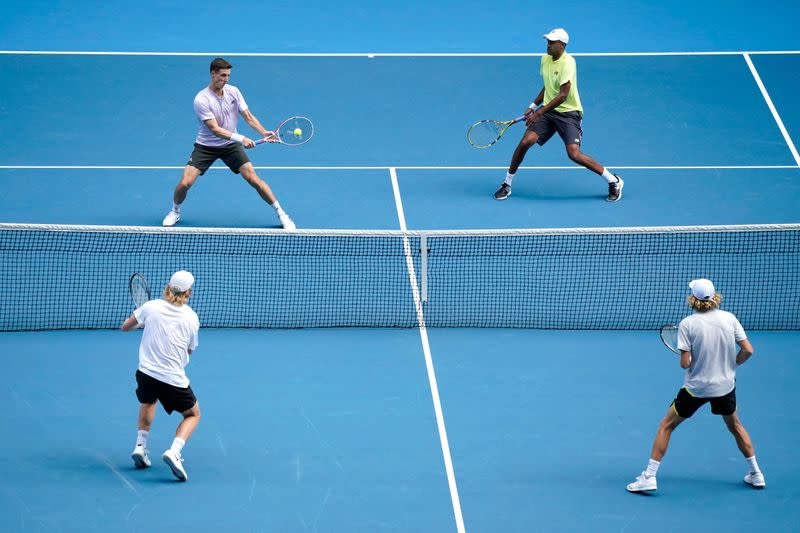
x: 485, y: 133
x: 293, y: 131
x: 669, y: 336
x: 140, y: 290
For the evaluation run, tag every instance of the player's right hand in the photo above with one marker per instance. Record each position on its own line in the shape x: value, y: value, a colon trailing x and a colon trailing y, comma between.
x: 532, y: 116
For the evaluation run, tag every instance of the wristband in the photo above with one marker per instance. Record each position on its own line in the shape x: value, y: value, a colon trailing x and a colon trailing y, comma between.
x: 237, y: 137
x: 533, y: 106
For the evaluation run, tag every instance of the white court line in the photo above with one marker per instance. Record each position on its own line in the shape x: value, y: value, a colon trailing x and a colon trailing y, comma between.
x: 423, y: 333
x: 371, y: 55
x: 774, y: 111
x: 421, y: 167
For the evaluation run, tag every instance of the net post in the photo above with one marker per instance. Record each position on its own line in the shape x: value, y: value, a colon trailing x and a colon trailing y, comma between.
x: 423, y: 257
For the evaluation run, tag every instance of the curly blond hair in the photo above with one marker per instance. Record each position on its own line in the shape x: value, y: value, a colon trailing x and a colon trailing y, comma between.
x: 704, y: 305
x: 175, y: 297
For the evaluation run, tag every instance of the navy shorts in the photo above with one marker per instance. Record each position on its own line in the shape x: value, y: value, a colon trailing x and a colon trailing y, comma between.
x: 568, y: 126
x: 686, y: 405
x: 172, y: 398
x: 204, y: 156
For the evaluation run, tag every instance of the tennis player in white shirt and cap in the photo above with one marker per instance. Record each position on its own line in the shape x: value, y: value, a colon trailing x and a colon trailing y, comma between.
x: 707, y: 340
x: 169, y: 338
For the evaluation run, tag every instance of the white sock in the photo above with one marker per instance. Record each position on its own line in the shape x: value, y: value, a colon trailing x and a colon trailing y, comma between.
x: 141, y: 437
x: 509, y: 178
x: 608, y: 176
x: 176, y: 207
x: 751, y: 461
x: 278, y: 209
x: 177, y: 445
x: 652, y: 468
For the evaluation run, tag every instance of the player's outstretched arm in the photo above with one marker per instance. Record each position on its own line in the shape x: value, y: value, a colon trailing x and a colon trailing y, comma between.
x: 251, y: 119
x: 130, y: 323
x: 222, y: 133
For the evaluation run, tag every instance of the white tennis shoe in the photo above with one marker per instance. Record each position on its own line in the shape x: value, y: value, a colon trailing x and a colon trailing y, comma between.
x: 175, y: 462
x: 140, y: 457
x: 287, y: 222
x: 643, y: 484
x: 172, y: 218
x: 756, y: 479
x: 615, y: 190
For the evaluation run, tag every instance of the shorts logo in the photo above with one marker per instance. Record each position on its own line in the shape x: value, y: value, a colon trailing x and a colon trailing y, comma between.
x: 577, y: 140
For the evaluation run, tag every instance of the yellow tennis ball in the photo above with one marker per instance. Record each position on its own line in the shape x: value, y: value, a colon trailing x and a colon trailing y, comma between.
x: 298, y: 132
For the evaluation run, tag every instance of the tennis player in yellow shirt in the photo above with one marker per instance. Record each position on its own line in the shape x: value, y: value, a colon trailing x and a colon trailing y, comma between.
x: 557, y: 108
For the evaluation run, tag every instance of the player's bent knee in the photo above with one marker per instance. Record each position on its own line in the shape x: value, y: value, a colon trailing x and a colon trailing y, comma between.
x: 194, y: 411
x: 254, y: 182
x: 574, y: 154
x: 249, y: 175
x: 247, y: 169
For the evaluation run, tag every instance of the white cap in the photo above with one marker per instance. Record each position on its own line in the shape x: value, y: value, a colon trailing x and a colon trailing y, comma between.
x: 702, y: 289
x: 558, y: 34
x: 181, y: 281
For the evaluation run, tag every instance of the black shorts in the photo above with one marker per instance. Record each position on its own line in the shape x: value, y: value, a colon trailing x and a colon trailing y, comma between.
x: 172, y: 398
x: 686, y: 405
x: 204, y: 156
x: 568, y: 126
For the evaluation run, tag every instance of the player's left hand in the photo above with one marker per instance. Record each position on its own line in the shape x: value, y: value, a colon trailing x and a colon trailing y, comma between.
x: 248, y: 143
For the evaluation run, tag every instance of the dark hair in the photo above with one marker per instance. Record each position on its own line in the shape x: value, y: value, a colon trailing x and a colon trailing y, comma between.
x: 219, y: 64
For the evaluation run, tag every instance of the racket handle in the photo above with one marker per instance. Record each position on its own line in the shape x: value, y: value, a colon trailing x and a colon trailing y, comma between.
x: 518, y: 119
x: 260, y: 141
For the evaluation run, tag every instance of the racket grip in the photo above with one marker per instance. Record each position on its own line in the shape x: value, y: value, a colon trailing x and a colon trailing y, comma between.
x: 260, y: 141
x: 518, y: 119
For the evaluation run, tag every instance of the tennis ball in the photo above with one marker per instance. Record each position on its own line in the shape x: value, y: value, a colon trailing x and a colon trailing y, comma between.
x: 298, y: 132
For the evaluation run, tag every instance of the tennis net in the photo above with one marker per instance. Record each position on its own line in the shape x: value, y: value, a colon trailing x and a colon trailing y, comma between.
x: 76, y: 277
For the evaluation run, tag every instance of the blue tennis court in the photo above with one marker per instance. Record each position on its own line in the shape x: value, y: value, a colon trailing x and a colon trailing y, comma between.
x: 412, y: 429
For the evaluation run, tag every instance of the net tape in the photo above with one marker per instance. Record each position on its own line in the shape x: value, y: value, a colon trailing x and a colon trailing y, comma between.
x: 75, y: 277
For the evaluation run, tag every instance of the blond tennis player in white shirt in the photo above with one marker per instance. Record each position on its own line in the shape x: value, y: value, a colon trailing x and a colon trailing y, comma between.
x: 169, y: 338
x: 707, y: 340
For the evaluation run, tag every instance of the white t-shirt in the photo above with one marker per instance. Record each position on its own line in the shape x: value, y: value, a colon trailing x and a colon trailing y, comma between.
x: 170, y: 331
x: 712, y: 338
x: 225, y: 110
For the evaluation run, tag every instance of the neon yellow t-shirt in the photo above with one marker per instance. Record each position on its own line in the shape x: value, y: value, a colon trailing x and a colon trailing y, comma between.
x: 556, y: 74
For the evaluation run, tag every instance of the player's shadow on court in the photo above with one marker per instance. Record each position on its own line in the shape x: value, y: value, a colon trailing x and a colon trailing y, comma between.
x: 556, y: 196
x: 552, y: 189
x: 669, y: 485
x: 93, y: 466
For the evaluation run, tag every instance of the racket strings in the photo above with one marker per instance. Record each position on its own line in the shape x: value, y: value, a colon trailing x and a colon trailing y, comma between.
x: 669, y: 335
x: 140, y: 290
x: 296, y: 130
x: 485, y: 133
